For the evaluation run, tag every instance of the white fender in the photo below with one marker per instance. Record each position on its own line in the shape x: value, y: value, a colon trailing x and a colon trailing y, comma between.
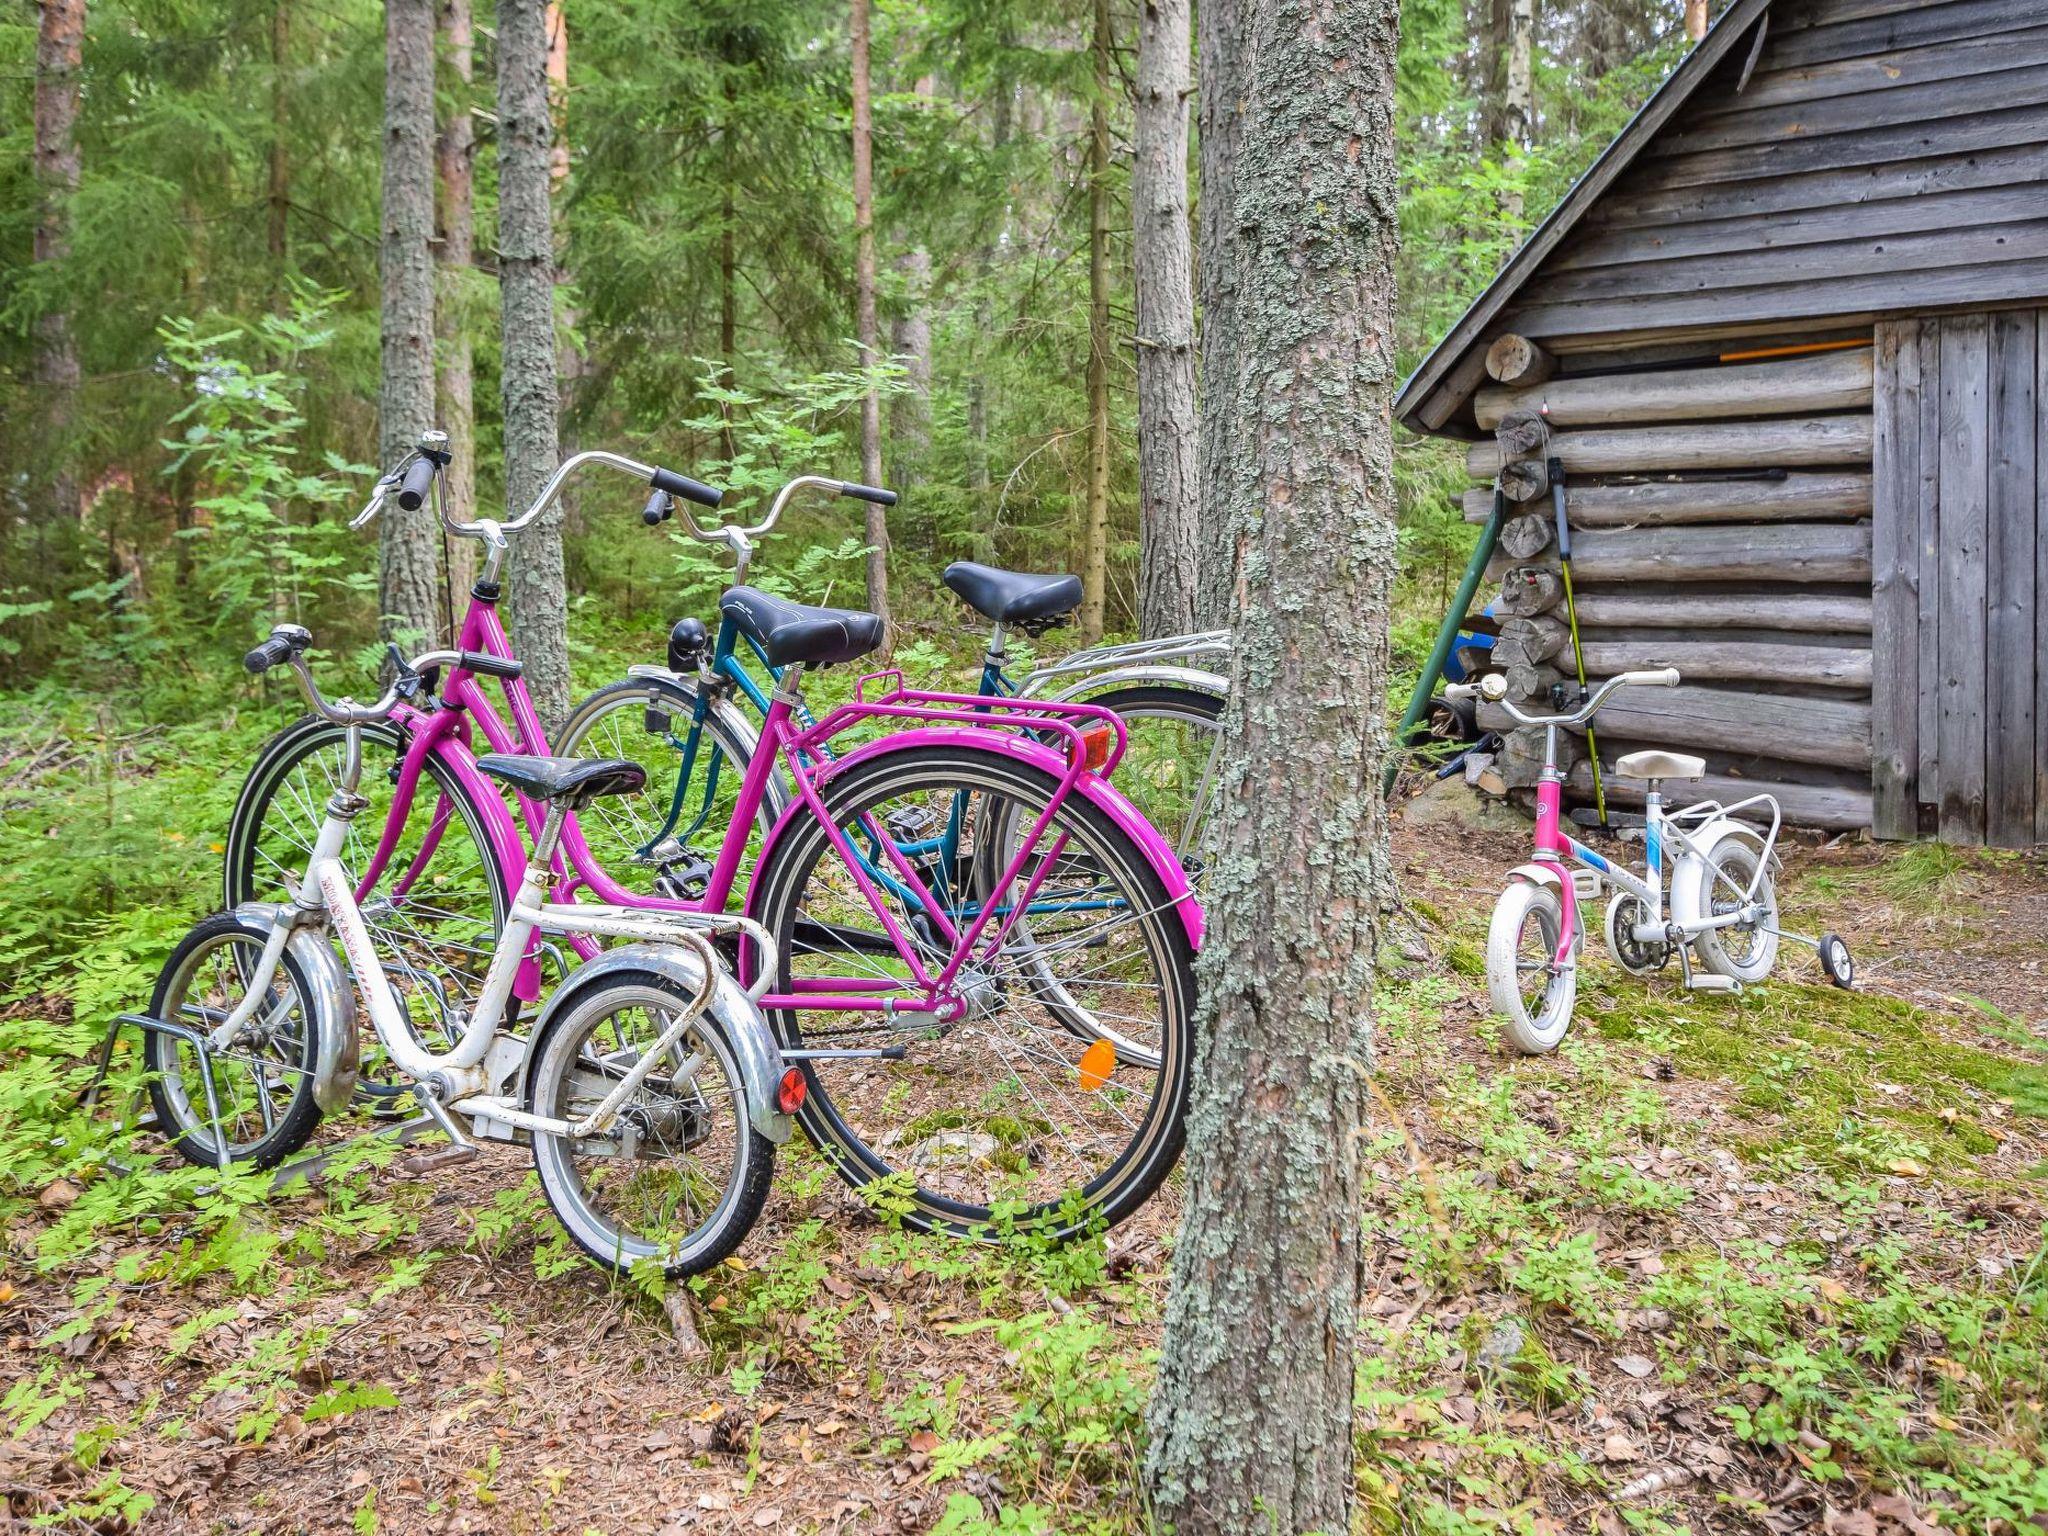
x: 1535, y: 874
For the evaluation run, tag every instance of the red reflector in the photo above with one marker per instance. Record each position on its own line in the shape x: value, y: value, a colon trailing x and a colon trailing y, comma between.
x: 790, y: 1094
x: 1097, y: 742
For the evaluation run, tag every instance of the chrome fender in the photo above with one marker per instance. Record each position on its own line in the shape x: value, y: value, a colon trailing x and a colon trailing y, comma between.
x: 337, y: 1054
x: 1193, y: 678
x: 746, y: 1027
x: 1092, y: 787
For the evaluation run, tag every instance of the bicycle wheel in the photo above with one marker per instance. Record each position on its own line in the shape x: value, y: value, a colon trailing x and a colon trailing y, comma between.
x: 1531, y: 992
x: 1006, y: 1110
x: 1745, y: 951
x: 437, y: 907
x: 263, y: 1085
x: 680, y: 1177
x: 663, y: 843
x: 1168, y: 769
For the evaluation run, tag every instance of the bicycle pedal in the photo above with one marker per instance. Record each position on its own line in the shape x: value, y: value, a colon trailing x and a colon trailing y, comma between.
x: 434, y: 1162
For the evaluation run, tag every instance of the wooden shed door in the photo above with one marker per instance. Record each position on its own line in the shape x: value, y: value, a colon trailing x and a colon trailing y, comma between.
x: 1959, y: 562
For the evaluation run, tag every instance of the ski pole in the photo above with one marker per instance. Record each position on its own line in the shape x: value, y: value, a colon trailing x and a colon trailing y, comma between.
x: 1571, y: 613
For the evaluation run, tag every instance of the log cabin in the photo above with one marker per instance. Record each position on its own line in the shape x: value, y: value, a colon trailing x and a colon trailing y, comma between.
x: 1787, y: 340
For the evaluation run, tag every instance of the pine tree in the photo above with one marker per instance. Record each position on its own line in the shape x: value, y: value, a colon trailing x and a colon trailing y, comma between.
x: 408, y: 587
x: 455, y: 165
x: 1095, y: 515
x: 868, y: 326
x: 1251, y: 1415
x: 534, y: 587
x: 1169, y: 539
x: 60, y: 46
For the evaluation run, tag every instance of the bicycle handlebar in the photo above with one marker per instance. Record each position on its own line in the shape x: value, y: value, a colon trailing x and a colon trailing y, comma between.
x: 1494, y: 689
x: 287, y: 645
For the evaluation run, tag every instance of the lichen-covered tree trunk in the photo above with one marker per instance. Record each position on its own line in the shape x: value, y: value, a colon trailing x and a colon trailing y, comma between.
x: 60, y: 48
x: 526, y: 287
x: 455, y: 157
x: 1095, y: 529
x: 866, y: 323
x: 910, y: 339
x: 1518, y: 98
x: 280, y: 128
x: 408, y: 581
x: 1221, y: 118
x: 1169, y: 541
x: 1251, y: 1414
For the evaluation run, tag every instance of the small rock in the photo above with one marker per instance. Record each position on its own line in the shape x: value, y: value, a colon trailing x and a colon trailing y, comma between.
x: 1501, y: 1346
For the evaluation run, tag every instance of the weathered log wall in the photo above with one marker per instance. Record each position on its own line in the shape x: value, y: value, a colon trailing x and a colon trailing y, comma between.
x: 1720, y: 520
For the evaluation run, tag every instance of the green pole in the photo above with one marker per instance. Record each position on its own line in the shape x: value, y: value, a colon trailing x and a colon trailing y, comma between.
x: 1447, y: 632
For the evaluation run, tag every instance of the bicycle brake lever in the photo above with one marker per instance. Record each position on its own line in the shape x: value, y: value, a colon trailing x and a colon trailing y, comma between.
x: 407, y: 682
x: 364, y: 518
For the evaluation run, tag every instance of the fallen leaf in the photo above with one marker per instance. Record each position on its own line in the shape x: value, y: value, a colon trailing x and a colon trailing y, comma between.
x: 1618, y: 1447
x: 1638, y: 1366
x: 767, y: 1517
x: 1906, y: 1168
x: 57, y: 1195
x: 924, y: 1441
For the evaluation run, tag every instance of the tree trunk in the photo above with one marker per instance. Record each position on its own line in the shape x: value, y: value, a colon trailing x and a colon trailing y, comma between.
x: 280, y: 165
x: 728, y: 269
x: 1095, y: 527
x: 910, y: 413
x: 1695, y: 19
x: 1169, y: 528
x: 1518, y: 95
x: 456, y: 160
x: 866, y: 324
x: 1252, y: 1414
x: 526, y: 285
x: 408, y: 587
x: 60, y: 45
x: 1219, y: 25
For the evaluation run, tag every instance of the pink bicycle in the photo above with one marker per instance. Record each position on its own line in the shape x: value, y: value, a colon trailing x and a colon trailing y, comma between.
x: 996, y: 1020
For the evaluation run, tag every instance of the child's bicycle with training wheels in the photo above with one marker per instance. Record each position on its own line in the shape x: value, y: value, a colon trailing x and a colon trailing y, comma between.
x: 1722, y: 917
x: 650, y: 1085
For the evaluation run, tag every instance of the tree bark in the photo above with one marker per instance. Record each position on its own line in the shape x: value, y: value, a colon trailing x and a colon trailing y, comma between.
x: 1219, y: 42
x: 1518, y: 99
x: 1252, y: 1414
x: 408, y: 587
x: 1095, y: 527
x: 280, y: 164
x: 60, y: 47
x: 526, y: 284
x: 1169, y: 528
x: 455, y: 159
x: 910, y: 413
x: 866, y: 324
x: 1695, y: 19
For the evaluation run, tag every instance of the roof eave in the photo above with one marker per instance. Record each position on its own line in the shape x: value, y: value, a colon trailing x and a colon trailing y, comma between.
x: 1471, y: 328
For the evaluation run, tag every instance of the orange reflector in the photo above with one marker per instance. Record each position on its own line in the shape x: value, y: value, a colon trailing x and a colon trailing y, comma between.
x: 1097, y: 743
x: 1097, y: 1063
x: 790, y: 1093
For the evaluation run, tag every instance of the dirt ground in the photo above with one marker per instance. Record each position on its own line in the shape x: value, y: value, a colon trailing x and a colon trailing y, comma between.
x: 1581, y: 1264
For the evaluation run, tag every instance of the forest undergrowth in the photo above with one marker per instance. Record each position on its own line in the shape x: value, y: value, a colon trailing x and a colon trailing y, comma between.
x: 1765, y: 1263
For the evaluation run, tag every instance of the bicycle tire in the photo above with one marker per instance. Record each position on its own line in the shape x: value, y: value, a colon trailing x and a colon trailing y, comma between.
x: 1141, y: 1164
x: 248, y: 873
x: 559, y: 1049
x: 1538, y: 1031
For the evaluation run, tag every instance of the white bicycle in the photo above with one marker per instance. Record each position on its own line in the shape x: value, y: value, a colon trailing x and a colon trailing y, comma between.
x: 1723, y: 908
x: 650, y: 1087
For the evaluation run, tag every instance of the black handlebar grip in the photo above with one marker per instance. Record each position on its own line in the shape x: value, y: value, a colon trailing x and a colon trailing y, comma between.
x: 683, y: 486
x: 419, y: 479
x: 271, y: 653
x: 659, y: 509
x: 874, y: 493
x: 490, y: 666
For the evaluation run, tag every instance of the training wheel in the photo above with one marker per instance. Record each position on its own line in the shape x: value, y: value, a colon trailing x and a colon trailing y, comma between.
x: 1836, y: 960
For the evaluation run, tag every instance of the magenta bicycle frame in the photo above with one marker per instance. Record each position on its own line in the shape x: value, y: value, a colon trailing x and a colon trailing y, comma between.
x: 1048, y: 735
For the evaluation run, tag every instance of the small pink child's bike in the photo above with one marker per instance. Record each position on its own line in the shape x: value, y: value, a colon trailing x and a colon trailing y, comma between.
x: 1722, y: 915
